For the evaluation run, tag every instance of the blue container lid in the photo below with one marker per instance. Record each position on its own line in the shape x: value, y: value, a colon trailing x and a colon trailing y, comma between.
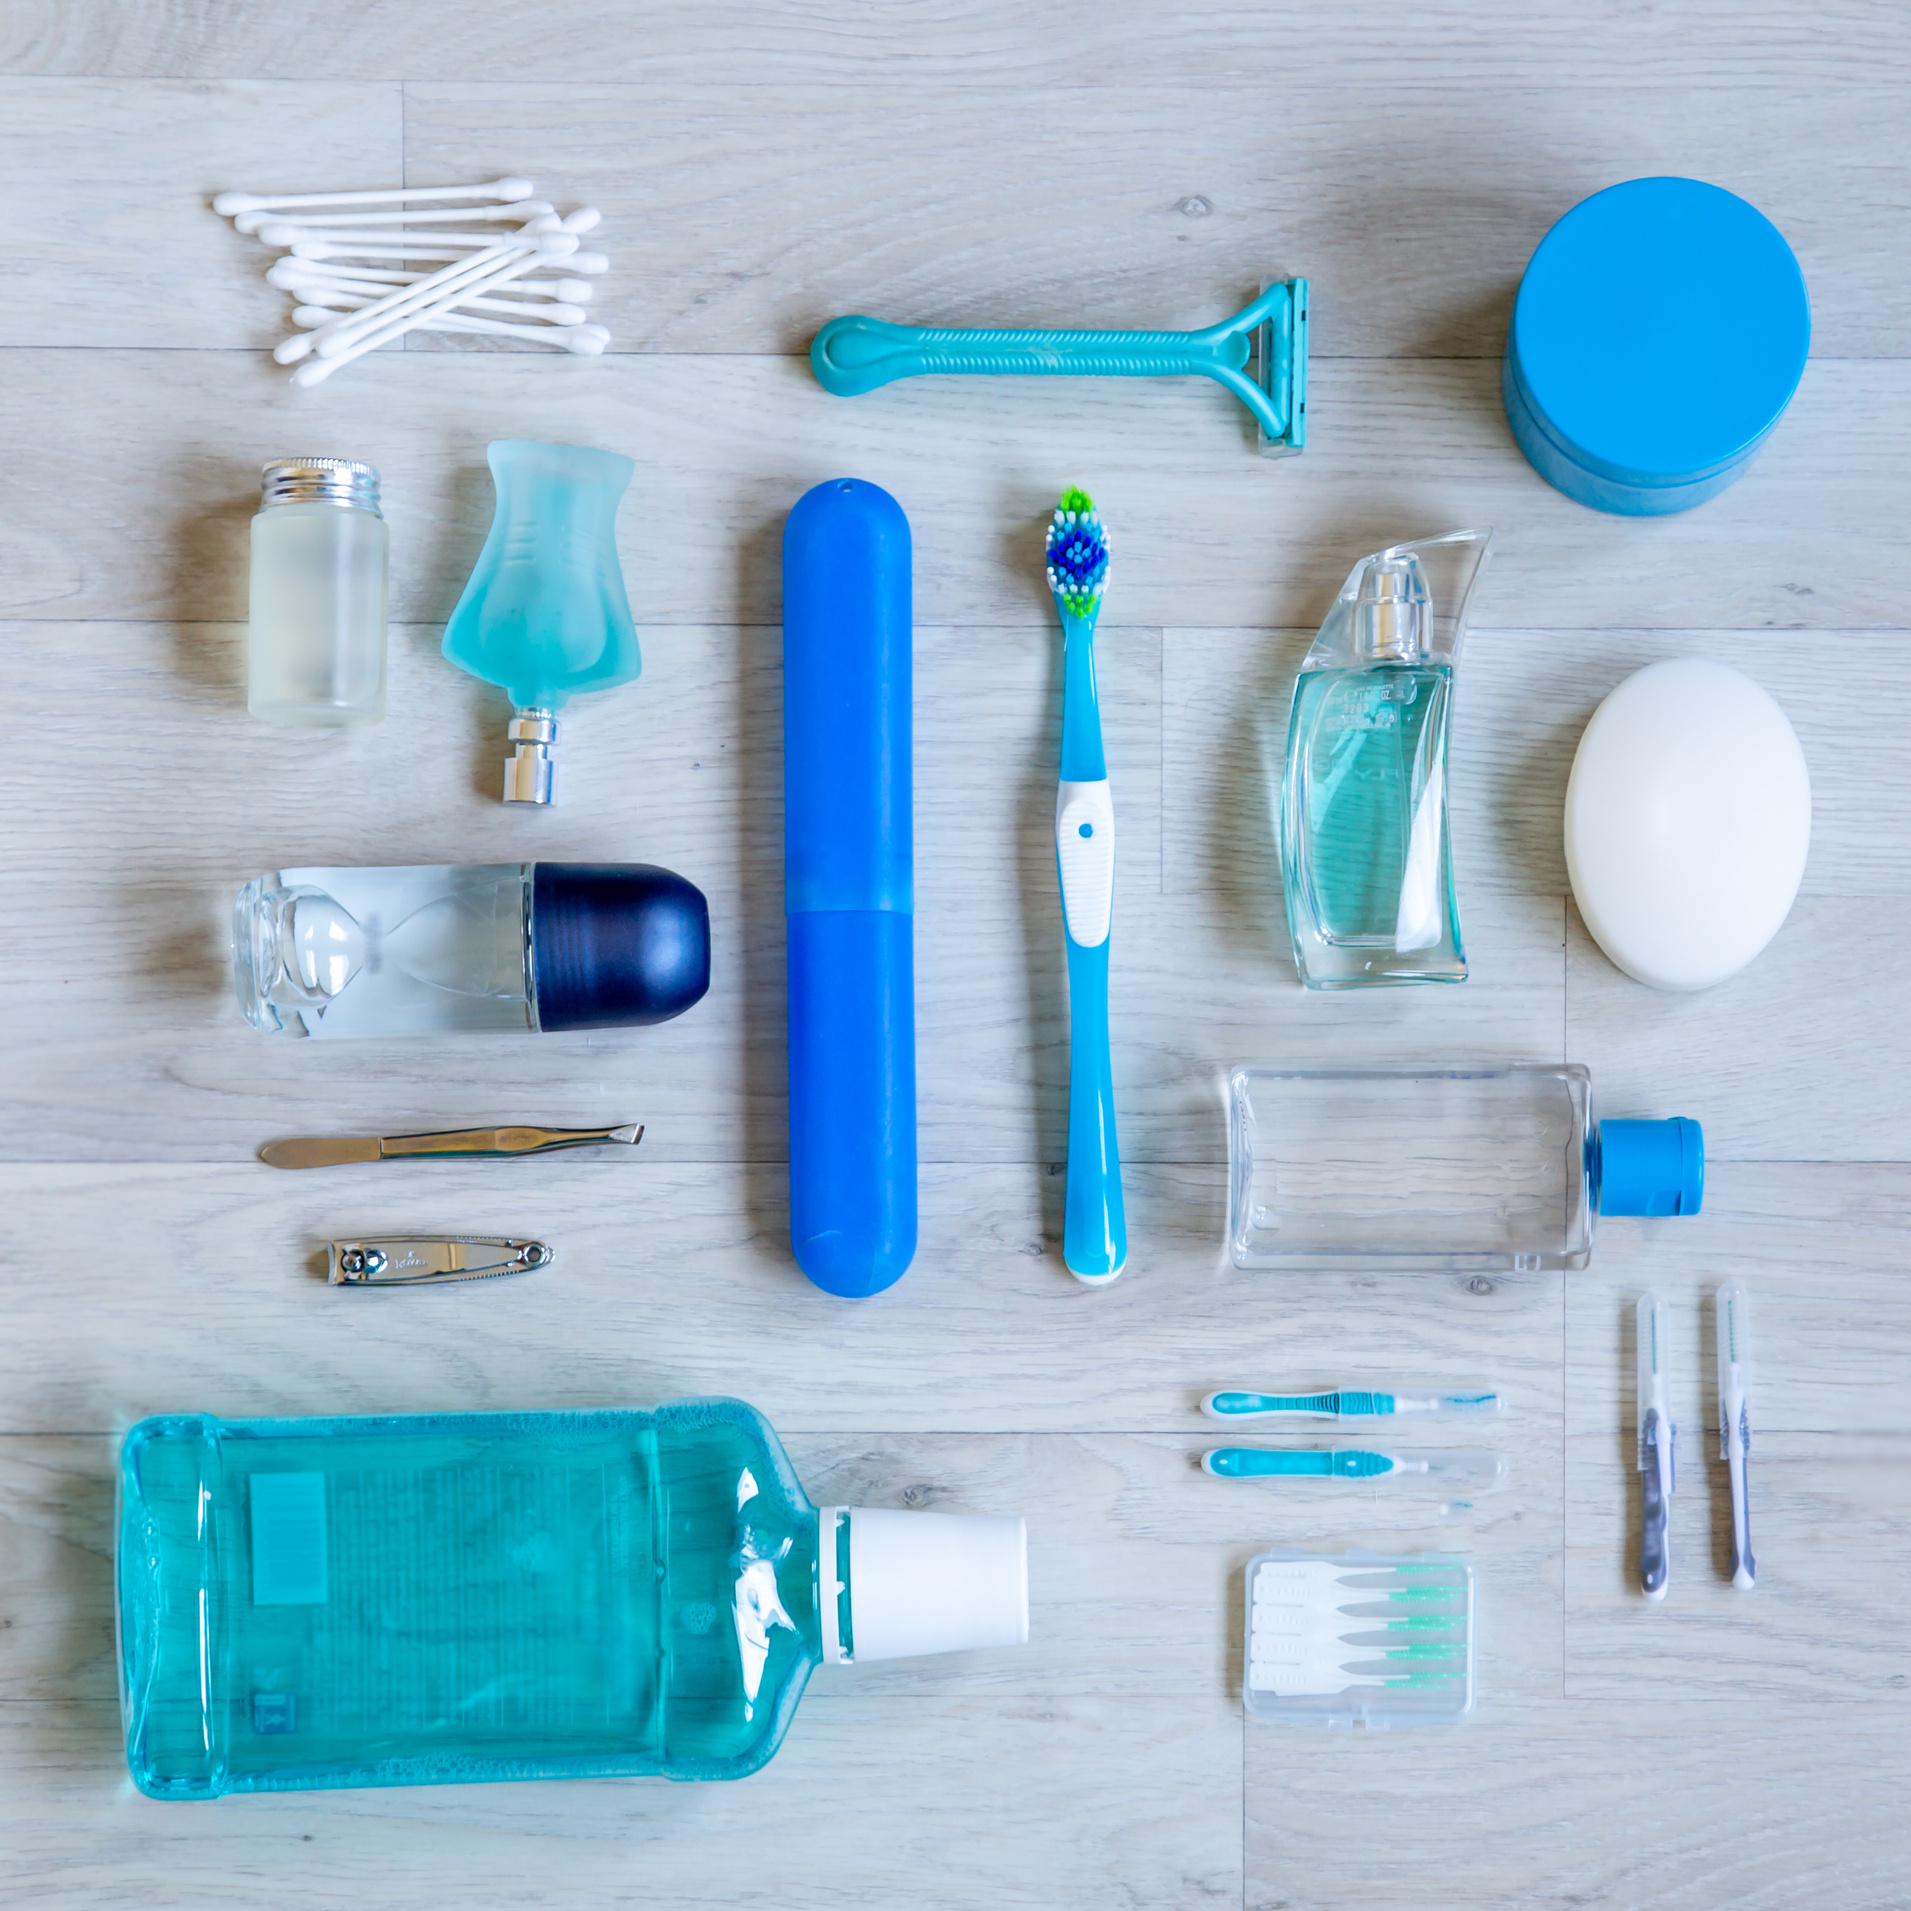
x: 1651, y: 1167
x: 616, y: 945
x: 848, y: 628
x: 1660, y: 331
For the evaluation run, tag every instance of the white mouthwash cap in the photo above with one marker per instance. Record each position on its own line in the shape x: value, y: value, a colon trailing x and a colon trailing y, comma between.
x: 920, y: 1582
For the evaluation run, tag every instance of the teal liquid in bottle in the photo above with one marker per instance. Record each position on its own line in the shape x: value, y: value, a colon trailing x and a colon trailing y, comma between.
x: 441, y: 1598
x: 1377, y: 871
x: 1366, y: 849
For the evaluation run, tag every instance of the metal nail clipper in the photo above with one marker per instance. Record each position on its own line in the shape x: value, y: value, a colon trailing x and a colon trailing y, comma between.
x: 414, y: 1260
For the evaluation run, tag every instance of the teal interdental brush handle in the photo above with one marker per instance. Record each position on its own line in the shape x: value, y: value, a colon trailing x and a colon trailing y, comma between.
x: 1339, y: 1405
x: 1443, y: 1464
x: 1260, y: 1463
x: 853, y: 354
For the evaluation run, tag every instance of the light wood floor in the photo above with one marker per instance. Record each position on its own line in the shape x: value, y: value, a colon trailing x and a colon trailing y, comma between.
x: 762, y: 167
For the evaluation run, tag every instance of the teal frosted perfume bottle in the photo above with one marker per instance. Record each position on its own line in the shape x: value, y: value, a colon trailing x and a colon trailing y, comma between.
x: 439, y: 1598
x: 1366, y: 850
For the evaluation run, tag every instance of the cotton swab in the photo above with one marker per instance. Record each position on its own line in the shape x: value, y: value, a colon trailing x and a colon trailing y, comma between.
x: 311, y: 316
x: 534, y: 297
x: 346, y: 339
x: 295, y: 275
x: 260, y: 224
x: 363, y: 278
x: 353, y: 259
x: 545, y: 239
x: 462, y: 278
x: 394, y: 245
x: 362, y: 331
x: 461, y: 275
x: 316, y: 282
x: 228, y: 204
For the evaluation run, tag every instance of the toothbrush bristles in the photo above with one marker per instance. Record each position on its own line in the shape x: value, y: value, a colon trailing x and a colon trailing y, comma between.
x: 1077, y: 554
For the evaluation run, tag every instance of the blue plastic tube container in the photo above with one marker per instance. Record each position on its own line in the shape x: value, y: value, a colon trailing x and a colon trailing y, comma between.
x: 849, y: 886
x: 1659, y: 333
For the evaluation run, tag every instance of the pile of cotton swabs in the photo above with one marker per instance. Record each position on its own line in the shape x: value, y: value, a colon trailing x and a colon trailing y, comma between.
x: 363, y: 277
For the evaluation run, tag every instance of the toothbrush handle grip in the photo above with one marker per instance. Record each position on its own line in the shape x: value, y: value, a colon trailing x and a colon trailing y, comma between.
x: 852, y: 355
x: 1094, y: 1225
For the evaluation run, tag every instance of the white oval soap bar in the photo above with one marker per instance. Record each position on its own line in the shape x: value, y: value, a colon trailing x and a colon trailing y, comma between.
x: 1687, y: 821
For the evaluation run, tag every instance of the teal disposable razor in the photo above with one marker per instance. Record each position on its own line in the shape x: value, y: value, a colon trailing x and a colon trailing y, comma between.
x: 1260, y: 355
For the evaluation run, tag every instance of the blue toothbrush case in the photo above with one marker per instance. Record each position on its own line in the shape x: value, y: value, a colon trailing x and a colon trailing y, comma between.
x: 849, y: 886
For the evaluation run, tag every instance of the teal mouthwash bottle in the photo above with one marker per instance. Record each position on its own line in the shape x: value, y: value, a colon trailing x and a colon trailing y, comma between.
x: 431, y: 1599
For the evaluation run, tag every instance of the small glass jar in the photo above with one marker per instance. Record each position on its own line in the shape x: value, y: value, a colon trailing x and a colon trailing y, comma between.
x: 315, y: 653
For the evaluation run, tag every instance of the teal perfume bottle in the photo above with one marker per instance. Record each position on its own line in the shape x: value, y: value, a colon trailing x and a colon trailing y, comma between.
x: 1366, y: 851
x: 441, y: 1598
x: 544, y: 613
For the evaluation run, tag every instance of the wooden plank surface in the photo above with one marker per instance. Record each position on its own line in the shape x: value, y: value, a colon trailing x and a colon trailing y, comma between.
x: 726, y: 443
x: 1230, y: 43
x: 971, y: 162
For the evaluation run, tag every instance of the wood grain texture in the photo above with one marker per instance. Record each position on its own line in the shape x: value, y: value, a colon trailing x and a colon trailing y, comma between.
x: 735, y: 226
x: 1814, y: 1085
x: 118, y: 251
x: 930, y: 43
x: 724, y: 445
x: 677, y: 1280
x: 964, y: 160
x: 1523, y: 698
x: 940, y: 1801
x: 1669, y: 1801
x: 116, y: 1007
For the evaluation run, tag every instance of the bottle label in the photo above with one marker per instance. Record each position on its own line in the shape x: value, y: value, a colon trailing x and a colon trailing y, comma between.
x: 288, y: 1539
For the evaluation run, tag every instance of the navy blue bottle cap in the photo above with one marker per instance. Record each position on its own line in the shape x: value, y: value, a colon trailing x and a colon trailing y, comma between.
x: 1660, y: 331
x: 616, y: 945
x: 1651, y: 1167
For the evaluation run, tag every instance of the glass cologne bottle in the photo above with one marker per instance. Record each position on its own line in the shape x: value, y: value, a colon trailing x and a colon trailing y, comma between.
x: 1366, y: 853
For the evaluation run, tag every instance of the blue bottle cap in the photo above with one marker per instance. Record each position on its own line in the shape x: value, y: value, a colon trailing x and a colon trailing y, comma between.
x: 1659, y: 333
x: 1651, y: 1167
x: 848, y: 628
x: 616, y: 945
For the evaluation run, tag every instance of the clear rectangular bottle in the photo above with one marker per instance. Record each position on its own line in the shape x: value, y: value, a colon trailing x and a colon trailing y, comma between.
x: 1497, y: 1168
x: 1366, y: 853
x: 315, y: 636
x: 408, y: 1600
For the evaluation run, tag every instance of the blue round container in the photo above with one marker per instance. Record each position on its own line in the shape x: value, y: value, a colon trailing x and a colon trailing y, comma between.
x: 1659, y: 333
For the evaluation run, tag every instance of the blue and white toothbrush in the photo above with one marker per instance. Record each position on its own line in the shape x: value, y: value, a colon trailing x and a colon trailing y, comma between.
x: 1735, y: 1426
x: 1094, y: 1228
x: 1658, y: 1446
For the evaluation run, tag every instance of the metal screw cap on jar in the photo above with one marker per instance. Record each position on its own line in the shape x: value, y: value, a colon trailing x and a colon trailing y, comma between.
x: 1658, y: 336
